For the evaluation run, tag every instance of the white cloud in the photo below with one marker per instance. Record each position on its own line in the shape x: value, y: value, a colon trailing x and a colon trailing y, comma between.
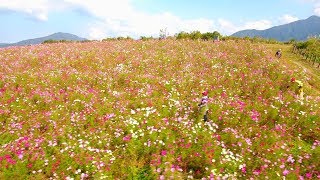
x: 287, y: 19
x: 36, y: 8
x: 259, y: 25
x: 111, y: 18
x: 226, y: 27
x: 317, y: 11
x: 140, y: 24
x: 97, y: 33
x: 317, y: 8
x: 316, y: 4
x: 119, y: 18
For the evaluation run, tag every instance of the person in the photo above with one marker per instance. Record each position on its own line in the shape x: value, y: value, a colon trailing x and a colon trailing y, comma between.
x: 299, y: 89
x: 203, y: 105
x: 278, y: 53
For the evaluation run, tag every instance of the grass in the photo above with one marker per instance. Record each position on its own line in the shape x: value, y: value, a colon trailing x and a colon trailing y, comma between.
x: 296, y: 61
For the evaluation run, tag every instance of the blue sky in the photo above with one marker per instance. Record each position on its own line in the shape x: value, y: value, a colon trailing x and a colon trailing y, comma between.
x: 98, y: 19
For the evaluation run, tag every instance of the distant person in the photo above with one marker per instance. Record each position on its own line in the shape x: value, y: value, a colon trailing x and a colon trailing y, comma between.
x: 203, y: 105
x: 278, y: 53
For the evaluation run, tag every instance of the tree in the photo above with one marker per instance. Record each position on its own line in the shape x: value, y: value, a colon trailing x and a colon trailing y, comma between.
x: 195, y: 35
x: 145, y: 38
x: 182, y: 35
x: 198, y: 35
x: 163, y: 34
x: 217, y: 35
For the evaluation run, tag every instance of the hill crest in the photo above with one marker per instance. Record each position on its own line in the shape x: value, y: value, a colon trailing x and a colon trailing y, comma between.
x: 299, y: 30
x: 55, y: 36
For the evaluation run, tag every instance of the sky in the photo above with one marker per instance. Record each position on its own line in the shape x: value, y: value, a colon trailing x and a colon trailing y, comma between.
x: 99, y: 19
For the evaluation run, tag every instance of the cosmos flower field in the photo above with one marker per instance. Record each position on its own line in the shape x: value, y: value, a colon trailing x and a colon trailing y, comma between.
x: 128, y: 110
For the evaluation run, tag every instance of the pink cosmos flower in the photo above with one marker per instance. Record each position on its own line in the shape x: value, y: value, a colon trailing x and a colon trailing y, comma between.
x: 11, y: 161
x: 241, y: 105
x: 285, y: 172
x: 108, y: 116
x: 127, y: 138
x: 308, y: 175
x: 257, y: 172
x: 29, y: 165
x: 83, y: 175
x: 255, y: 115
x: 7, y: 156
x: 163, y: 152
x: 244, y: 169
x: 158, y: 170
x: 179, y: 159
x: 47, y: 113
x: 20, y: 156
x: 166, y: 120
x: 290, y: 159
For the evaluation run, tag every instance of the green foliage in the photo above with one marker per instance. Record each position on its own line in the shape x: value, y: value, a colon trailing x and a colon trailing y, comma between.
x: 194, y: 35
x: 57, y: 41
x: 291, y: 41
x: 145, y: 38
x: 255, y: 39
x: 309, y: 49
x: 124, y: 38
x: 182, y: 35
x: 144, y: 173
x: 117, y: 38
x: 211, y: 36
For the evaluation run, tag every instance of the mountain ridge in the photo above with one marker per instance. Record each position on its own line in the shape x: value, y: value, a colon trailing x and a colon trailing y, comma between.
x: 299, y: 30
x: 55, y: 36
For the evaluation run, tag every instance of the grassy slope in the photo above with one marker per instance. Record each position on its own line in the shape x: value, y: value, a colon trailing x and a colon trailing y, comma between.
x: 296, y: 61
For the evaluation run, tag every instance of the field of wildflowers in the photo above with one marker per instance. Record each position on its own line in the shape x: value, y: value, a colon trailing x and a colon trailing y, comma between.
x: 128, y: 110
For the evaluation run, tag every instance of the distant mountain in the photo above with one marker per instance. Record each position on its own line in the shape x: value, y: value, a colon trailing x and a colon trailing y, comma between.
x: 299, y: 30
x: 3, y: 44
x: 55, y: 36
